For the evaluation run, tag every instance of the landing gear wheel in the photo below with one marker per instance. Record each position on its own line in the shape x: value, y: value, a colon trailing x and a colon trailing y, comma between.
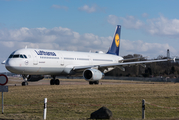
x: 96, y: 82
x: 93, y: 82
x: 24, y: 83
x: 57, y: 82
x: 52, y: 82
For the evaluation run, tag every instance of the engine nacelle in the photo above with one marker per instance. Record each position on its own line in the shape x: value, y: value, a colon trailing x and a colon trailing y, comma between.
x: 92, y: 74
x: 33, y: 77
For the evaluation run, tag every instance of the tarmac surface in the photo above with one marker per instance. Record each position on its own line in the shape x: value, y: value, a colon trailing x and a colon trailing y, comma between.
x: 16, y: 81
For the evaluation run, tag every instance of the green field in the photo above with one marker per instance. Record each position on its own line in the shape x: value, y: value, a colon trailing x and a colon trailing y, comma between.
x: 77, y: 102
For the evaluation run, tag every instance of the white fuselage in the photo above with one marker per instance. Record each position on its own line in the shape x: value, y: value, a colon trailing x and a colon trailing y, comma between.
x: 54, y: 62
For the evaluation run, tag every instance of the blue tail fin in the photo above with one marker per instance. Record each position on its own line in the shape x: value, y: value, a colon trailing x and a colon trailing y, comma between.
x: 114, y: 49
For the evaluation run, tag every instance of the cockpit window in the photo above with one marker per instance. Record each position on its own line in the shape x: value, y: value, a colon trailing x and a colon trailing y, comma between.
x: 25, y: 56
x: 18, y: 56
x: 10, y: 56
x: 15, y: 56
x: 21, y: 56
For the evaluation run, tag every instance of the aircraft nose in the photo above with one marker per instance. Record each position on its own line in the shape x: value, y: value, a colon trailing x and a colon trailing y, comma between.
x: 10, y: 65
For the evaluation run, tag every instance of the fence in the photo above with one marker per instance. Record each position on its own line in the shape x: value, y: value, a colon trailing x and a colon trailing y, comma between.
x: 120, y: 110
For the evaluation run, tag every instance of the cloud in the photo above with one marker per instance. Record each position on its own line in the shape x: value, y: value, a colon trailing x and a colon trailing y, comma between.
x: 160, y: 26
x: 146, y: 49
x: 112, y: 19
x: 93, y: 8
x: 88, y: 9
x: 60, y: 38
x: 129, y: 22
x: 66, y: 39
x: 144, y: 15
x: 59, y: 7
x: 55, y: 38
x: 163, y: 26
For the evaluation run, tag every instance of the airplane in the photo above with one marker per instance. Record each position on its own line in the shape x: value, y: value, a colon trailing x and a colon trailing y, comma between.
x: 33, y: 64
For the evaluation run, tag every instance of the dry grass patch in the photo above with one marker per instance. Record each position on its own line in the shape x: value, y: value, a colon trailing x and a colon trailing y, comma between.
x: 79, y: 101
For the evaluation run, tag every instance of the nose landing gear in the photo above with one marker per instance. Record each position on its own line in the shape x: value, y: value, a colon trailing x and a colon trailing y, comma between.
x: 25, y: 77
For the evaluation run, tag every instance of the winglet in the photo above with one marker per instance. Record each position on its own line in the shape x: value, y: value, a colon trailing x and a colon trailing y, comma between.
x: 174, y: 59
x: 114, y: 49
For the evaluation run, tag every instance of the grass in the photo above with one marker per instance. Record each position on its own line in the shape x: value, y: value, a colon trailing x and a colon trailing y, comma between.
x: 77, y: 102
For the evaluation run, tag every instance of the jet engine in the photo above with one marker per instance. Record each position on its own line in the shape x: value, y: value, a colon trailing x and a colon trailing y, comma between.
x: 92, y: 74
x: 33, y: 77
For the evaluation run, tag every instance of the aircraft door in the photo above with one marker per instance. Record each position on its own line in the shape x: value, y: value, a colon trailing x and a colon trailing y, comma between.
x: 90, y: 60
x: 34, y: 57
x: 61, y: 59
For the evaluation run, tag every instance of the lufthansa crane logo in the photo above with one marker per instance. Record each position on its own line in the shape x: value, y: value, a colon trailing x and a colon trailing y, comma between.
x: 117, y: 40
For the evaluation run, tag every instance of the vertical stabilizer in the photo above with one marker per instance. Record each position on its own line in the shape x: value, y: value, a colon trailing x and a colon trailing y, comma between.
x: 114, y: 49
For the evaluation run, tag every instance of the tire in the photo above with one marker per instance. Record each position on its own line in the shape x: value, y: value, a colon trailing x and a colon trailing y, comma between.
x: 24, y: 83
x: 91, y: 82
x: 96, y: 82
x: 57, y: 82
x: 52, y: 82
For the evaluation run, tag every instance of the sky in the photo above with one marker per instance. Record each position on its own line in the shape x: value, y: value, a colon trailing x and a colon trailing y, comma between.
x: 148, y: 27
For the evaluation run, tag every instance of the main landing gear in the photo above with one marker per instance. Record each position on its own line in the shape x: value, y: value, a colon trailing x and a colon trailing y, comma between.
x: 54, y: 81
x: 93, y: 82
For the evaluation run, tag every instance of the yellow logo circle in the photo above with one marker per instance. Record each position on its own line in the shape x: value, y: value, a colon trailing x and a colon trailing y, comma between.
x: 117, y: 40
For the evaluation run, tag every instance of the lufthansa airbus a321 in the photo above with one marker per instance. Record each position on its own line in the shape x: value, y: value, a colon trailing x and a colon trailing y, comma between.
x: 32, y: 64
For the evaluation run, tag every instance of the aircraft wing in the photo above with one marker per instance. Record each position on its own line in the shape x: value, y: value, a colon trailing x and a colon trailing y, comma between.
x: 118, y: 64
x: 129, y: 59
x: 132, y: 63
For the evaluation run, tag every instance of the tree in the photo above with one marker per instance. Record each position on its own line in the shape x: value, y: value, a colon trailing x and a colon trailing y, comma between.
x: 172, y: 71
